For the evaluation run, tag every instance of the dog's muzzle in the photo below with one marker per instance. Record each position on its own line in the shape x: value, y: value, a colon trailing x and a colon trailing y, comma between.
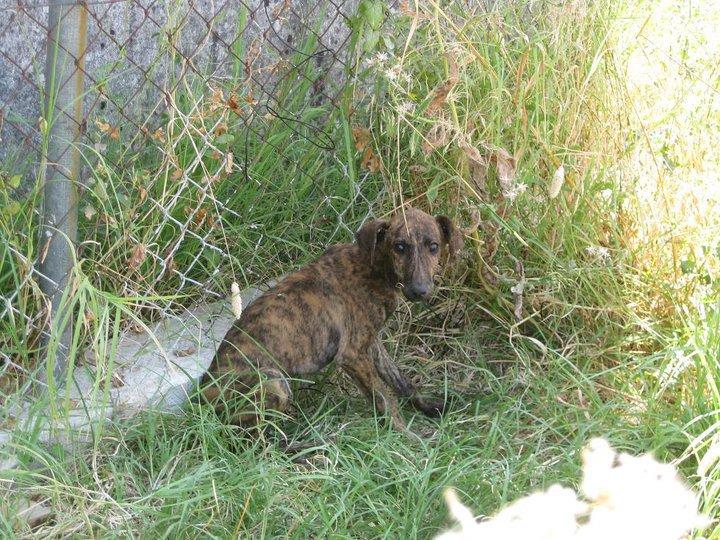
x: 417, y: 291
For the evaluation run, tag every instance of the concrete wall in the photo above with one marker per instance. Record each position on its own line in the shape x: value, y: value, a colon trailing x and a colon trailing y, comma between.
x: 137, y: 49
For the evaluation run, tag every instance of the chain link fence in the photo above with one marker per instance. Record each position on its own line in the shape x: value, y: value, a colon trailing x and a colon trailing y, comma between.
x: 180, y: 145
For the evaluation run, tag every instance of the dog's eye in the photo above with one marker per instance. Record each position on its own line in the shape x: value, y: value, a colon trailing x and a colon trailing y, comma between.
x: 433, y: 247
x: 400, y: 247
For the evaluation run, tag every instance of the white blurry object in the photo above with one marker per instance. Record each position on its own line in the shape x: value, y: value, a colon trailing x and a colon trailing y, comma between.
x: 628, y: 497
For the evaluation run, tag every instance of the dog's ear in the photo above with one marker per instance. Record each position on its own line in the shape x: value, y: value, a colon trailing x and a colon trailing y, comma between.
x: 370, y: 234
x: 452, y: 236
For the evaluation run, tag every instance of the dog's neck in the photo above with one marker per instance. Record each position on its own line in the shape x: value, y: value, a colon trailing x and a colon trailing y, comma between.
x: 382, y: 271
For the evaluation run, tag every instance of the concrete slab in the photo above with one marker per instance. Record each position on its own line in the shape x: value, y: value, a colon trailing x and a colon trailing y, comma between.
x: 158, y: 368
x: 155, y: 369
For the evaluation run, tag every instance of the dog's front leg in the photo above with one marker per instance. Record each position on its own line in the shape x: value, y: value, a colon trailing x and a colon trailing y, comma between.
x: 363, y: 372
x: 390, y: 373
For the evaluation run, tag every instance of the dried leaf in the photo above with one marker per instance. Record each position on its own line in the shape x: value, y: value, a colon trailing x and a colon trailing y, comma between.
x: 137, y: 256
x: 478, y: 173
x: 409, y: 11
x: 44, y: 250
x: 557, y: 182
x: 454, y: 73
x: 236, y: 300
x: 478, y: 163
x: 217, y: 99
x: 251, y: 56
x: 507, y: 169
x: 370, y: 161
x: 474, y: 222
x: 182, y: 353
x: 441, y: 92
x: 136, y: 328
x: 88, y: 319
x: 440, y: 96
x: 107, y: 218
x: 116, y: 381
x: 518, y: 290
x: 418, y: 169
x: 472, y: 153
x: 143, y: 194
x: 249, y: 99
x: 107, y: 129
x: 361, y: 137
x: 229, y: 162
x: 491, y: 243
x: 200, y: 217
x: 232, y: 102
x: 436, y: 137
x: 176, y: 174
x: 158, y: 135
x: 221, y: 129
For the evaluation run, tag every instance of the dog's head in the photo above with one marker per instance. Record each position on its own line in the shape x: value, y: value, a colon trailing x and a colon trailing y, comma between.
x: 409, y: 247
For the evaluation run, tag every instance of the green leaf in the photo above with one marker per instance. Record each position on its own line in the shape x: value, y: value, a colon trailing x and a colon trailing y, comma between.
x: 99, y: 190
x: 225, y: 138
x: 432, y: 190
x: 12, y: 208
x: 371, y: 41
x: 375, y: 15
x: 372, y: 12
x: 14, y: 181
x: 413, y: 144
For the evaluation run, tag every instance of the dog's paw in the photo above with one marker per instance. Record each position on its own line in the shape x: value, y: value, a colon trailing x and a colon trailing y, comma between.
x: 432, y: 407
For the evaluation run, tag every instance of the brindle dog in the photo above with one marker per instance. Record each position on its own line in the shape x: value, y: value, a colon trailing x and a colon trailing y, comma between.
x: 334, y: 309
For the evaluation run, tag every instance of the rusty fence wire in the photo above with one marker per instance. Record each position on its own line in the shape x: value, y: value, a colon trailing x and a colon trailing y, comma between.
x: 207, y: 143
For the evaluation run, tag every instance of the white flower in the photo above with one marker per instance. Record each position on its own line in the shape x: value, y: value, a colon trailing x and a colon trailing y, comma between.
x: 600, y: 253
x: 405, y: 107
x: 674, y: 369
x: 515, y: 191
x: 395, y: 73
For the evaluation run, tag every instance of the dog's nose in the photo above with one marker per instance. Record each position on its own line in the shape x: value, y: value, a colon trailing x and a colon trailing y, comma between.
x: 419, y: 290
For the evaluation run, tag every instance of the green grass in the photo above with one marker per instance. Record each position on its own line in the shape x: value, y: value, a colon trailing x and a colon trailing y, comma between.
x: 193, y: 477
x: 625, y: 347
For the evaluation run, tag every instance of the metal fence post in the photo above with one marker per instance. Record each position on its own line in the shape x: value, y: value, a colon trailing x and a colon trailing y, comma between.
x: 63, y: 115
